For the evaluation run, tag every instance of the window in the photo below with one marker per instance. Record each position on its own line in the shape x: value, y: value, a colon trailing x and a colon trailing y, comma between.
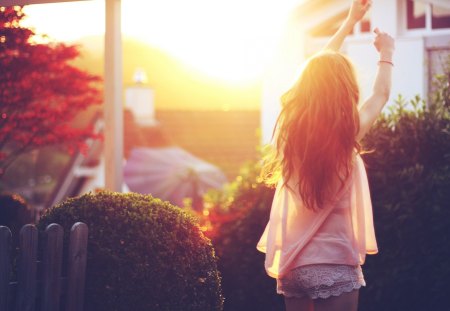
x: 430, y: 14
x: 438, y: 64
x: 440, y: 17
x: 415, y: 14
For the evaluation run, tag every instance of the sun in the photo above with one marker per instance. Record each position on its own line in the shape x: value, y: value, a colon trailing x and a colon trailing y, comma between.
x: 228, y: 40
x: 231, y: 40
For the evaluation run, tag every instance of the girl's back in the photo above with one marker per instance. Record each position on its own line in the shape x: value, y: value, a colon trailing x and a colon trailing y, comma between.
x: 321, y: 225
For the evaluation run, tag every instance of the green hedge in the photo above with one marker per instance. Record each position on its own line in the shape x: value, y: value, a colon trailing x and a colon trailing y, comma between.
x: 236, y: 220
x: 143, y: 254
x: 409, y: 175
x: 409, y: 179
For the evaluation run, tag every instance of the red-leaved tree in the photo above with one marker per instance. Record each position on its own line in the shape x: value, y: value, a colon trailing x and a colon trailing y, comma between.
x: 40, y: 91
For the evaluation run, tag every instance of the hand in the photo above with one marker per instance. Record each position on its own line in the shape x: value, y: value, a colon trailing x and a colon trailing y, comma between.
x: 358, y: 9
x: 383, y: 42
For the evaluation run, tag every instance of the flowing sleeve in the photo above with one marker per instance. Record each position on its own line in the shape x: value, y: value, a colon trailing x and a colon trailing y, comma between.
x: 362, y: 215
x: 290, y: 227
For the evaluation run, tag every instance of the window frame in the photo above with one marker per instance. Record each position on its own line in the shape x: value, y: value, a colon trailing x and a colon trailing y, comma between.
x: 428, y: 30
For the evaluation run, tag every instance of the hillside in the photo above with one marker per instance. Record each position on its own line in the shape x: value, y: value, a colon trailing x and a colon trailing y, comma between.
x: 176, y: 85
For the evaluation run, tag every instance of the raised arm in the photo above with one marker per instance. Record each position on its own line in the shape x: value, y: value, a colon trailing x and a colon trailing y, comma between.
x: 372, y: 107
x: 356, y: 13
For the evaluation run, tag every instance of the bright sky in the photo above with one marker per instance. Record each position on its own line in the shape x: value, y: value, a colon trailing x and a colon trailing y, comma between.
x: 232, y: 40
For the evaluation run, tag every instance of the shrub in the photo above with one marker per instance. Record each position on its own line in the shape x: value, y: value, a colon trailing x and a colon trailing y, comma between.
x: 236, y: 219
x: 143, y: 254
x: 409, y: 176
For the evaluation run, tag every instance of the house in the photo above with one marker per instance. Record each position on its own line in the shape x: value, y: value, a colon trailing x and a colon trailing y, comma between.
x: 421, y: 29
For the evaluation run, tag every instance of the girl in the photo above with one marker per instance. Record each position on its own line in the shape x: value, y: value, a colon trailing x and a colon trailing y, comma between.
x: 320, y: 226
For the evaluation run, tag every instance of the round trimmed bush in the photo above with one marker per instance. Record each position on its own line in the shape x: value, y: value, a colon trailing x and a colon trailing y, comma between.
x: 143, y: 253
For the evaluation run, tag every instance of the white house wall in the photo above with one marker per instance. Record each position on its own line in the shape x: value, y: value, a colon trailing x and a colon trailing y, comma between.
x: 409, y: 75
x: 385, y: 15
x: 411, y: 72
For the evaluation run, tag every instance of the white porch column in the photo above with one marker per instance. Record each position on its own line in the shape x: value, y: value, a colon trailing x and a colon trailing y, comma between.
x: 113, y: 111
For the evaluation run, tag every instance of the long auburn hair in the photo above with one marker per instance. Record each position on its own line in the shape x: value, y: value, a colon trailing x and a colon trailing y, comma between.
x: 315, y: 134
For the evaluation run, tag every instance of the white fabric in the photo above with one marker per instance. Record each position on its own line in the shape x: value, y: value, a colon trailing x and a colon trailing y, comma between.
x: 321, y: 281
x: 292, y: 225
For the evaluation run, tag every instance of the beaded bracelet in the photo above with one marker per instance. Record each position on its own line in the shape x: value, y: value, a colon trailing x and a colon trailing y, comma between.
x: 386, y: 61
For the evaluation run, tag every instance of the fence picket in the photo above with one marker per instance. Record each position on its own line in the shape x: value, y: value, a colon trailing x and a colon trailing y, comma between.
x: 48, y: 284
x: 52, y: 263
x: 77, y: 267
x: 5, y: 250
x: 26, y: 287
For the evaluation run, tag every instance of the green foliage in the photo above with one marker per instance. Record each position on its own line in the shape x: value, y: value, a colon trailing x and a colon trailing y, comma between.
x: 143, y: 254
x: 236, y: 219
x: 440, y: 97
x: 409, y: 175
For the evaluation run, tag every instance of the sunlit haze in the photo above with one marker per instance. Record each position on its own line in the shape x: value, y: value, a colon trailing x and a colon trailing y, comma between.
x: 229, y: 40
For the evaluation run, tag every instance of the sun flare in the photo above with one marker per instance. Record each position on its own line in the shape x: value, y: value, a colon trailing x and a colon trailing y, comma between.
x: 231, y: 40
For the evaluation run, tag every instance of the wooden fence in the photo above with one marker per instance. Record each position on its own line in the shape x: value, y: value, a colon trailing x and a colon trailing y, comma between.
x: 39, y: 283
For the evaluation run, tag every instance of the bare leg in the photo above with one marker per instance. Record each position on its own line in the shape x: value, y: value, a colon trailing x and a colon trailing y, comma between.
x: 344, y: 302
x: 298, y: 304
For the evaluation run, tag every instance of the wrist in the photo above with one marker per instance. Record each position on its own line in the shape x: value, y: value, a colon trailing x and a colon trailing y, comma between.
x: 386, y: 55
x: 382, y: 61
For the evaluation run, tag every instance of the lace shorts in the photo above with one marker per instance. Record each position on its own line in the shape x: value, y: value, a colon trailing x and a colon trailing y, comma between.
x: 320, y: 281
